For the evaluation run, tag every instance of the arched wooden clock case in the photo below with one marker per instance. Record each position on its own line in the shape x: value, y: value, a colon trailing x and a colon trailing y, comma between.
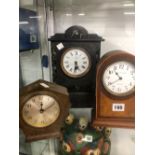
x: 61, y: 103
x: 105, y: 101
x: 81, y: 86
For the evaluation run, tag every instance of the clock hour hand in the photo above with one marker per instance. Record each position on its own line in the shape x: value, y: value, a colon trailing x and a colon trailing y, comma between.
x: 76, y: 66
x: 120, y: 78
x: 41, y: 109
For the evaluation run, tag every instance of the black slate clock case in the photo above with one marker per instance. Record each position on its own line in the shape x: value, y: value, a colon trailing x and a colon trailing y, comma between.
x: 81, y: 89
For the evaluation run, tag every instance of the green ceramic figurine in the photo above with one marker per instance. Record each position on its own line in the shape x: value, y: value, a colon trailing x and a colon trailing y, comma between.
x: 79, y: 138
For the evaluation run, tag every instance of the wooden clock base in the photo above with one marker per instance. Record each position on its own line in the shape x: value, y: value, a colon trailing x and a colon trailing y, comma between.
x: 31, y: 138
x: 114, y: 123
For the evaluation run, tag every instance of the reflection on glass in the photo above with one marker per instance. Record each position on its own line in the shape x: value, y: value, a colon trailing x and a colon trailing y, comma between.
x: 129, y: 13
x: 68, y: 14
x: 35, y: 16
x: 128, y: 5
x: 81, y: 14
x: 23, y: 22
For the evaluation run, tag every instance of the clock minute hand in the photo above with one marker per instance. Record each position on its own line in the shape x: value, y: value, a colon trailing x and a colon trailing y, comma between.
x: 120, y: 78
x: 41, y: 109
x: 114, y: 82
x: 49, y: 106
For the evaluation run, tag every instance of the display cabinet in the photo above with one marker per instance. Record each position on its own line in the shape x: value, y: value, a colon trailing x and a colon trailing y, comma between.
x: 110, y: 20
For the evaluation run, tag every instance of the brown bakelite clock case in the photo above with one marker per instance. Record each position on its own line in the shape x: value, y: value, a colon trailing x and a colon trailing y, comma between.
x: 115, y: 90
x: 43, y: 108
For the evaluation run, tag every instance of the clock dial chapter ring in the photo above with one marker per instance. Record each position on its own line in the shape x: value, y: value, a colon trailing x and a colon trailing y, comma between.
x: 40, y: 110
x: 116, y: 81
x: 75, y: 62
x: 118, y: 78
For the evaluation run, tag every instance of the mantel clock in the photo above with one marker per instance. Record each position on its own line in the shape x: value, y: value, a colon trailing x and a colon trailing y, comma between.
x: 74, y: 57
x: 115, y: 90
x: 43, y: 108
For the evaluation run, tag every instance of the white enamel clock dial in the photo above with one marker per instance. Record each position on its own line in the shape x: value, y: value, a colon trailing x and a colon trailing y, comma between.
x: 119, y: 78
x: 75, y: 62
x: 40, y: 111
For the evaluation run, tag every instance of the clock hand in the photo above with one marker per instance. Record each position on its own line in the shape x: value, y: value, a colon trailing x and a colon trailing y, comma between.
x: 120, y: 78
x: 51, y: 105
x: 76, y: 66
x: 41, y: 109
x: 113, y: 82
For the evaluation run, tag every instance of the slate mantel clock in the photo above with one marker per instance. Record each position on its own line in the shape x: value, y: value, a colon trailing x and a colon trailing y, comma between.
x: 115, y: 90
x: 74, y: 57
x: 43, y: 109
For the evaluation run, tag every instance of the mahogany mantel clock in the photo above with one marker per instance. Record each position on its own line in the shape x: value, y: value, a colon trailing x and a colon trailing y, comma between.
x: 43, y: 108
x: 115, y: 90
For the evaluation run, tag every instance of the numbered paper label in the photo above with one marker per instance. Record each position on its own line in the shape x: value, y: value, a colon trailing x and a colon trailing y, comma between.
x: 118, y: 107
x: 60, y: 46
x: 88, y: 138
x: 44, y: 85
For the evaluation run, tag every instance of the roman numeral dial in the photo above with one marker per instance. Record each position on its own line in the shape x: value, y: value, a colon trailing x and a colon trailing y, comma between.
x: 75, y: 62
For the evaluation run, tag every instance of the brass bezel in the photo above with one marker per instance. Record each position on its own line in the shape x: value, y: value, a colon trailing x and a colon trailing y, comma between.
x: 40, y: 126
x: 35, y: 94
x: 71, y: 75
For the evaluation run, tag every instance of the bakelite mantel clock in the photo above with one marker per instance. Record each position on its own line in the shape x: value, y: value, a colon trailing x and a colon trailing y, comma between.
x: 115, y: 90
x: 43, y: 109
